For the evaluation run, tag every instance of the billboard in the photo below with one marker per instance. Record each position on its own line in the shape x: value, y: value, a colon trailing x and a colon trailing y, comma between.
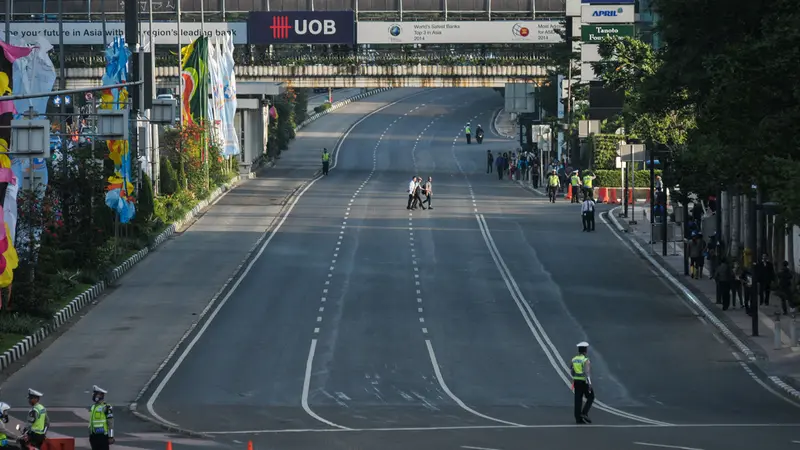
x: 596, y: 33
x: 607, y: 13
x: 494, y: 32
x: 301, y: 27
x: 91, y: 33
x: 609, y: 2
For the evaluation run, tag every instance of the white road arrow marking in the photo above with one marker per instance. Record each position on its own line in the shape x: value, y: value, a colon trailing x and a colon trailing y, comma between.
x: 666, y: 446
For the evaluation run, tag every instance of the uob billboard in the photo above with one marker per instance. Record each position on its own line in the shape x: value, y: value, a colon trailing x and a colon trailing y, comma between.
x: 301, y: 27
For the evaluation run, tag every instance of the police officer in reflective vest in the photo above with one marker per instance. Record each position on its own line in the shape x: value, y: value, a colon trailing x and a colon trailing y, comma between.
x: 582, y: 384
x: 36, y: 432
x: 587, y: 186
x: 468, y: 132
x: 575, y: 182
x: 326, y: 160
x: 101, y: 421
x: 5, y: 435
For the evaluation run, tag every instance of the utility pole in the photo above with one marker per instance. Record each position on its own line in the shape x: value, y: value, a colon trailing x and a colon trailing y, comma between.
x: 132, y: 40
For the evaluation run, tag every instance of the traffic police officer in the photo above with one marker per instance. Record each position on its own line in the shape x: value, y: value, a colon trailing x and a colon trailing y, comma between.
x: 326, y: 160
x: 468, y: 132
x: 4, y: 433
x: 582, y: 384
x: 36, y: 431
x: 575, y: 181
x: 101, y: 421
x: 587, y: 186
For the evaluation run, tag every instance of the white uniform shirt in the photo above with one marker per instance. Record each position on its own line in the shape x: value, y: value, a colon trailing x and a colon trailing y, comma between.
x: 587, y: 205
x: 411, y: 186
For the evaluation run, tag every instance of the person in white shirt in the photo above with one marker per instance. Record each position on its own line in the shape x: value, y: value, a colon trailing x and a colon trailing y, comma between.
x: 412, y: 186
x: 587, y: 214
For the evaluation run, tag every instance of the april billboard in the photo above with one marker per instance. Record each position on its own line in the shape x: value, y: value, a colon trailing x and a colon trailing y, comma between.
x: 301, y: 27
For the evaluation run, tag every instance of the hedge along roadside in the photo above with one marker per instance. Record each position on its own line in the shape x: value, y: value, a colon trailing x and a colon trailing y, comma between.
x: 61, y: 317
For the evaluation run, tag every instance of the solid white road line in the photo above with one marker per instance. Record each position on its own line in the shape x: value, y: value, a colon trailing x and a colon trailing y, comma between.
x: 648, y: 444
x: 536, y: 327
x: 503, y: 427
x: 450, y: 394
x: 478, y: 448
x: 306, y: 386
x: 151, y: 401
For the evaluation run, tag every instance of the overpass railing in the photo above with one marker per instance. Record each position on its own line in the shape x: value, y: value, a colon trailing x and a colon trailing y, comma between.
x: 244, y: 57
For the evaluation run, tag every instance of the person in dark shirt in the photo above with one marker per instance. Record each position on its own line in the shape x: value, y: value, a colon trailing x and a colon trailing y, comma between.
x: 489, y: 161
x: 785, y: 278
x: 765, y: 273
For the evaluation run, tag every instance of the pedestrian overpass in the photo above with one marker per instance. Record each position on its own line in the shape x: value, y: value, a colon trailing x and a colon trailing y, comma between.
x: 472, y: 62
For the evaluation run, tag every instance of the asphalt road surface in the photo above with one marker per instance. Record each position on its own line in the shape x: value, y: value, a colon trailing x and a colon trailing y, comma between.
x: 363, y: 325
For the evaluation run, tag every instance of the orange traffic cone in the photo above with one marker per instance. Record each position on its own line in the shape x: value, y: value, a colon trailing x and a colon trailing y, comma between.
x: 249, y: 445
x: 569, y: 192
x: 169, y: 445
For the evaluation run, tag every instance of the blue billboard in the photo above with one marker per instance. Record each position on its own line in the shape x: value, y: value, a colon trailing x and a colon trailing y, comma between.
x: 301, y: 27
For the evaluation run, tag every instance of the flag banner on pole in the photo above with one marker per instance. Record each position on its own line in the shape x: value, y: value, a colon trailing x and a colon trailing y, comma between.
x: 120, y: 189
x: 194, y: 98
x: 231, y: 143
x: 217, y: 94
x: 8, y: 182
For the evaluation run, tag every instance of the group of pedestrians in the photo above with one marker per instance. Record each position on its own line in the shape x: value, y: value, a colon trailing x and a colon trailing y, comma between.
x: 516, y: 165
x: 416, y: 190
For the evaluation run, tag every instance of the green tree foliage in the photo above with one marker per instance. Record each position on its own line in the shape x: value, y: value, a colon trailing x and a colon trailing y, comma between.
x: 604, y: 151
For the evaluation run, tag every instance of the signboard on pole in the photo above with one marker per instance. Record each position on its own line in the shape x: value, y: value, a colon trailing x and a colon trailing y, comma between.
x: 596, y: 33
x: 91, y: 33
x: 466, y: 32
x: 590, y: 53
x: 301, y: 27
x: 520, y: 98
x: 607, y: 13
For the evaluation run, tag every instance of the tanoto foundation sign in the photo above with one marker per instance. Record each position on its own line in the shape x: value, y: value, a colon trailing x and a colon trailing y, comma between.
x: 596, y: 33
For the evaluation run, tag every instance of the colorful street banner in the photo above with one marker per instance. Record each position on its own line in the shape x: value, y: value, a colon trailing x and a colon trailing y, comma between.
x: 120, y: 190
x: 231, y: 142
x: 194, y: 98
x: 215, y: 106
x: 8, y: 182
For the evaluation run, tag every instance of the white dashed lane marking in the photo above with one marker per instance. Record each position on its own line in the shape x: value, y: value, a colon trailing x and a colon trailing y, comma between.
x: 355, y: 195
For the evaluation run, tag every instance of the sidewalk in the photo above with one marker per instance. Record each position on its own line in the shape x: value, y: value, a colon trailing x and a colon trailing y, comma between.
x: 784, y: 362
x: 122, y: 341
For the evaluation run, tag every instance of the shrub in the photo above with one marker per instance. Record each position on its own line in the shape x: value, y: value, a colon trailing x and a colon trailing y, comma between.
x: 604, y: 151
x: 145, y: 210
x: 169, y: 178
x: 613, y: 178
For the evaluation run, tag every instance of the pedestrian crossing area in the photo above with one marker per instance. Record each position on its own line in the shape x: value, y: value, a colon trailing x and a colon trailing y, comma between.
x: 130, y: 433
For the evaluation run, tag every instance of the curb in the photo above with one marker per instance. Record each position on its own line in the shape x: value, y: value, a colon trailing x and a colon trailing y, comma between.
x: 61, y: 317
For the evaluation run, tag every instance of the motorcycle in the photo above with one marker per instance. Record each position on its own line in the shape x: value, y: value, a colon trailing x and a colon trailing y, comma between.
x: 479, y: 137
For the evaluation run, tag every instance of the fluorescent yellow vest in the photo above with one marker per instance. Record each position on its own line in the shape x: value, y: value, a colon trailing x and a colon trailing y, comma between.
x: 587, y: 181
x: 98, y: 422
x: 38, y: 426
x: 577, y: 367
x: 575, y: 180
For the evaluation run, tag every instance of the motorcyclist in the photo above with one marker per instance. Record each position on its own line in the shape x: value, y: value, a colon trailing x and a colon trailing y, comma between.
x: 479, y: 133
x: 5, y: 434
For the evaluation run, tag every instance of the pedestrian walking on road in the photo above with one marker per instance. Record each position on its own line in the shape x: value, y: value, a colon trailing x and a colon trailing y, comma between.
x: 417, y: 194
x: 101, y: 421
x: 326, y: 160
x: 500, y: 162
x: 428, y: 191
x: 765, y: 274
x: 411, y: 189
x: 489, y: 161
x: 582, y: 383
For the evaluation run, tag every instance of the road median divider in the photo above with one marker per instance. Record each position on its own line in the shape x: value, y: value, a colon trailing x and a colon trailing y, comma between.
x: 65, y: 314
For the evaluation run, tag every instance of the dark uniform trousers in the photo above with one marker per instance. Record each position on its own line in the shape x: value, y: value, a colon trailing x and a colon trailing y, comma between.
x: 36, y: 440
x: 98, y: 441
x: 325, y: 165
x: 588, y: 221
x: 582, y: 390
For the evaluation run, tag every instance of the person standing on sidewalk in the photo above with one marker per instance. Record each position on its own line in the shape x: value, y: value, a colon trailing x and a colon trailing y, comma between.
x: 765, y: 273
x: 582, y: 383
x: 326, y: 160
x: 785, y: 279
x: 696, y: 250
x: 489, y: 161
x: 723, y: 276
x: 736, y: 285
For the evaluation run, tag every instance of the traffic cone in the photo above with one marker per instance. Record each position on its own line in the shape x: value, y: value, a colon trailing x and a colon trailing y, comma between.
x: 249, y: 445
x: 569, y: 192
x: 169, y: 445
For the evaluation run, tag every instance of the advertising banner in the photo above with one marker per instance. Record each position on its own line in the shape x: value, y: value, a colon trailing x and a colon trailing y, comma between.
x: 495, y: 32
x: 596, y: 33
x: 607, y: 13
x: 301, y: 27
x: 91, y: 33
